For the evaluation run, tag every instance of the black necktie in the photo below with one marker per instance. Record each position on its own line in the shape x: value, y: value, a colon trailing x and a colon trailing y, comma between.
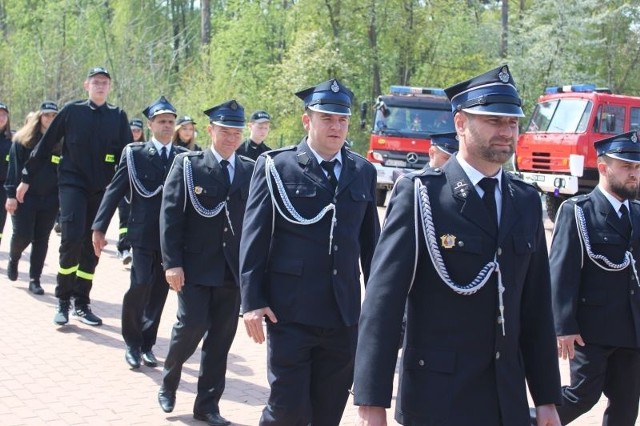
x: 164, y: 156
x: 488, y: 185
x: 225, y: 169
x: 625, y: 220
x: 329, y: 166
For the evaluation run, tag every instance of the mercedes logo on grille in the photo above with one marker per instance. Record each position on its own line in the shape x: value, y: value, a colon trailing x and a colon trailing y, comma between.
x: 412, y: 158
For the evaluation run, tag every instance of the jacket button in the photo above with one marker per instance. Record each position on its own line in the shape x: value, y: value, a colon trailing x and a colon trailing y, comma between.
x: 499, y: 251
x: 421, y: 363
x: 335, y: 272
x: 499, y: 320
x: 226, y: 229
x: 297, y: 191
x: 335, y: 248
x: 498, y: 355
x: 460, y: 243
x: 224, y: 244
x: 633, y: 292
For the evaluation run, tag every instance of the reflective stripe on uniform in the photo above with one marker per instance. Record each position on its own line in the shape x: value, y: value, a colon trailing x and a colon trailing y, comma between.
x: 55, y: 159
x: 123, y: 230
x: 67, y: 271
x: 110, y: 158
x: 85, y: 275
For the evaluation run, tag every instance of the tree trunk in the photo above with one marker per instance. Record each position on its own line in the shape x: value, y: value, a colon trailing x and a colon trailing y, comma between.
x: 375, y: 57
x: 504, y: 42
x: 205, y: 23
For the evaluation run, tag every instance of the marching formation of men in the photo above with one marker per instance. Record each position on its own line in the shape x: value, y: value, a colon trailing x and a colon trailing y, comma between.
x: 459, y: 271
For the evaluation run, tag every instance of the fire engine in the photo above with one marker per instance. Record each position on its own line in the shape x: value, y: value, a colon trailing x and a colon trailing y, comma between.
x: 403, y: 121
x: 556, y: 151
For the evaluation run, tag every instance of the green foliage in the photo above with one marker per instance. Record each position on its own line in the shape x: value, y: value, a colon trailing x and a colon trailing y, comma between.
x: 263, y: 51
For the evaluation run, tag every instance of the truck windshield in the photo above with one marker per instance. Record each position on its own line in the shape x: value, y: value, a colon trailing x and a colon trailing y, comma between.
x: 412, y: 121
x: 561, y: 116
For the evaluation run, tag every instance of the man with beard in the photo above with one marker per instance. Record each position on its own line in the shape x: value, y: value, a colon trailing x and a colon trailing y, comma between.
x: 596, y: 299
x: 463, y: 247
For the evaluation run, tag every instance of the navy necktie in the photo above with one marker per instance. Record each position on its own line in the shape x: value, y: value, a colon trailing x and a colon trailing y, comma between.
x: 488, y: 185
x: 225, y: 168
x: 625, y: 220
x: 331, y: 175
x: 164, y: 155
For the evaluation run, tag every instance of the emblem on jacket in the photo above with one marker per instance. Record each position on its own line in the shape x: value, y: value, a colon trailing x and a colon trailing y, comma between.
x: 448, y: 241
x: 197, y: 190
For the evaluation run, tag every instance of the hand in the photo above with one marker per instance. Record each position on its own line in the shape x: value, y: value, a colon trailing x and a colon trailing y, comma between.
x: 546, y: 415
x: 253, y: 322
x: 99, y: 242
x: 11, y: 205
x: 21, y: 190
x: 566, y: 345
x: 371, y: 416
x: 175, y: 278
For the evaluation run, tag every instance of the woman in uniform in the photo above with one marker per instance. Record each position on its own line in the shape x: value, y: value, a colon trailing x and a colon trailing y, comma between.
x: 185, y: 133
x: 33, y: 219
x: 5, y: 145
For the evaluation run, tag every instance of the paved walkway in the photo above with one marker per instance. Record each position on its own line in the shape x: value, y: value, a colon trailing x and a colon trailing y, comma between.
x: 76, y: 375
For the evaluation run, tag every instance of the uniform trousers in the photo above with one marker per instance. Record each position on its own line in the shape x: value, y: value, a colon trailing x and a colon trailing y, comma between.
x: 32, y: 224
x: 310, y: 371
x: 123, y: 216
x: 211, y: 312
x: 598, y: 369
x: 143, y: 302
x: 78, y: 261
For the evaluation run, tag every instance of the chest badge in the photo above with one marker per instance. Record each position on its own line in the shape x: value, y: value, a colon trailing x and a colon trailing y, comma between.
x: 448, y: 241
x: 197, y: 190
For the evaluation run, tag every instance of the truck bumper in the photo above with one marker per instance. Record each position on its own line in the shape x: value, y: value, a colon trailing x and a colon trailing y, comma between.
x: 385, y: 178
x: 552, y: 183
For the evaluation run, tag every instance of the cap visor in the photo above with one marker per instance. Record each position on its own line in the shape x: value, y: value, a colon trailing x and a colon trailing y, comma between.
x: 631, y: 157
x: 331, y: 109
x: 229, y: 124
x: 261, y: 120
x: 506, y: 110
x: 446, y: 150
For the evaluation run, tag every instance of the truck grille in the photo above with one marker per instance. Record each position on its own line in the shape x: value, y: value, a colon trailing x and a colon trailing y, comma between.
x: 541, y: 161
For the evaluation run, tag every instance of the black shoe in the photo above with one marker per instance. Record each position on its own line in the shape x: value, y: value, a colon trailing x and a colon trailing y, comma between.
x: 167, y: 400
x: 34, y: 287
x: 62, y: 314
x: 149, y: 359
x: 84, y: 314
x: 12, y: 270
x: 132, y: 356
x: 213, y: 419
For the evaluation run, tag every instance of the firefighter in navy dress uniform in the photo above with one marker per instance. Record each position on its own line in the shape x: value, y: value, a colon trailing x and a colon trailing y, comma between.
x: 259, y: 124
x: 95, y: 133
x: 594, y: 281
x: 200, y: 226
x: 33, y: 221
x: 470, y: 264
x: 142, y: 170
x: 5, y: 146
x: 311, y: 226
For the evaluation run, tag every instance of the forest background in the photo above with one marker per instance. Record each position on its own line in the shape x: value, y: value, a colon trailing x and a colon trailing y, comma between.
x: 200, y: 53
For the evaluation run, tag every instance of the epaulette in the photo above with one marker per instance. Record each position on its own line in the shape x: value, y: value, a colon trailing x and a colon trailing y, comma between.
x: 180, y: 149
x: 578, y: 199
x: 279, y: 150
x: 424, y: 172
x: 351, y: 152
x: 194, y: 153
x: 137, y: 144
x: 247, y: 159
x: 635, y: 201
x: 516, y: 178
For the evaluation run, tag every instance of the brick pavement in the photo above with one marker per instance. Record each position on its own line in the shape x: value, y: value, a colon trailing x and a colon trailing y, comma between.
x: 77, y: 375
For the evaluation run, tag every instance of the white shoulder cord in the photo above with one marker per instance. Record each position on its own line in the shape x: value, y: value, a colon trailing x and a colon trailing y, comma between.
x: 271, y: 171
x: 135, y: 181
x: 581, y: 223
x: 197, y: 206
x: 422, y: 199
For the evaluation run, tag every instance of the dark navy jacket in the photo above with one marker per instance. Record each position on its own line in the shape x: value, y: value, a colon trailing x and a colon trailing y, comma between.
x: 288, y: 266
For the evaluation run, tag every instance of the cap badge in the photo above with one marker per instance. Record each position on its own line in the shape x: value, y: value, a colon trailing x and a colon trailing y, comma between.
x: 197, y: 190
x: 233, y: 105
x: 335, y: 88
x: 634, y: 138
x: 503, y: 75
x: 448, y: 241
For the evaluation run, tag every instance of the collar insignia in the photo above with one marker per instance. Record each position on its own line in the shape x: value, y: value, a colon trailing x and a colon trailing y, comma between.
x: 197, y: 190
x: 152, y: 151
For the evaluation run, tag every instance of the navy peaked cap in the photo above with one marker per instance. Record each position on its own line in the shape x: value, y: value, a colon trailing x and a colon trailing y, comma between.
x: 623, y: 147
x: 159, y: 106
x: 227, y: 114
x: 330, y: 96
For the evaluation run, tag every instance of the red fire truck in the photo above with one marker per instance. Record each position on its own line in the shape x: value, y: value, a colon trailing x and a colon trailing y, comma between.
x: 403, y: 121
x: 556, y: 151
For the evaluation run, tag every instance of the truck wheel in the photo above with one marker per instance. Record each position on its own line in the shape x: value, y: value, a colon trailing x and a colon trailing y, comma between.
x: 381, y: 196
x: 553, y: 204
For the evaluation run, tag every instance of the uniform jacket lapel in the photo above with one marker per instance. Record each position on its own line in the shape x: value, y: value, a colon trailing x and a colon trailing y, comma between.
x: 469, y: 202
x: 349, y: 170
x: 606, y: 212
x: 215, y: 169
x: 242, y: 172
x: 510, y: 212
x: 311, y: 168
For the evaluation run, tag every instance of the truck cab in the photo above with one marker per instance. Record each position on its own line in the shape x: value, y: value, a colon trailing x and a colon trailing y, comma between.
x: 556, y: 151
x: 403, y: 121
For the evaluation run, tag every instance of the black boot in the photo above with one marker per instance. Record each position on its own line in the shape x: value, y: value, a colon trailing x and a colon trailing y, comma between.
x: 12, y: 270
x: 34, y: 287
